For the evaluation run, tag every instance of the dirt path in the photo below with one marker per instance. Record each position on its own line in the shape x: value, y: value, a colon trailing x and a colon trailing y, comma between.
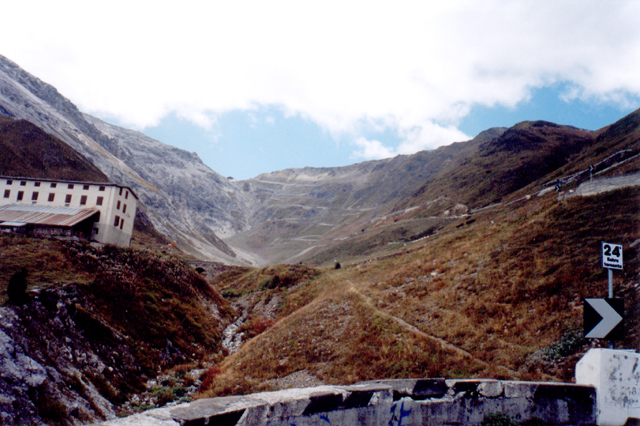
x: 352, y: 288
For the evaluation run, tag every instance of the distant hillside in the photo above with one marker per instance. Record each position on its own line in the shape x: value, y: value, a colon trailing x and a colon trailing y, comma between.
x: 523, y: 154
x: 296, y: 212
x: 30, y: 152
x: 316, y: 215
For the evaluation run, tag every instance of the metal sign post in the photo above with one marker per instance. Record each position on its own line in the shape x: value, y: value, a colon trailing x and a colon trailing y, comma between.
x: 609, y: 310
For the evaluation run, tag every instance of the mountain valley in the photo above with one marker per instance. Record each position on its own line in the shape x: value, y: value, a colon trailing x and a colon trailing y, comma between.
x: 467, y: 261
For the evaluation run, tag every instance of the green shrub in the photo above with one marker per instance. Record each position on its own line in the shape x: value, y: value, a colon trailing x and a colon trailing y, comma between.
x: 569, y: 343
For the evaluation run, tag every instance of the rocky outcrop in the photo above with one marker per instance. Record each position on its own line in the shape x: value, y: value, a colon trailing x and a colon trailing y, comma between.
x: 49, y: 369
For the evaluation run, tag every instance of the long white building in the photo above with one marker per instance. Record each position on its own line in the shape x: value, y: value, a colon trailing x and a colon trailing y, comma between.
x: 102, y: 212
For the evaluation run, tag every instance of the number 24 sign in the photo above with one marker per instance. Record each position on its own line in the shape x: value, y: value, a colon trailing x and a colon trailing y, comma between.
x: 611, y: 256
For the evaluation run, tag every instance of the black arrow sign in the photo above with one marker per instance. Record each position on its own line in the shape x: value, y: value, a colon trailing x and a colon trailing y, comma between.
x: 603, y: 319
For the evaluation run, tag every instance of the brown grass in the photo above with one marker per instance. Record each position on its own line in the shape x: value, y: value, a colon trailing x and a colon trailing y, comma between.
x: 480, y: 300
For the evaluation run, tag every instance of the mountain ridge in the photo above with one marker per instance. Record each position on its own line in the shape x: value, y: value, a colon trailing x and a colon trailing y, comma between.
x: 291, y: 215
x: 468, y: 261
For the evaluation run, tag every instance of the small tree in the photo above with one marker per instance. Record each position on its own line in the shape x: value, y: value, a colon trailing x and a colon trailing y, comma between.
x: 17, y: 289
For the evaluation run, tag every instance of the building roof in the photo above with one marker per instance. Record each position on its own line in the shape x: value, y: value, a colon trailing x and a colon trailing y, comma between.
x: 13, y: 224
x: 42, y: 215
x: 76, y: 182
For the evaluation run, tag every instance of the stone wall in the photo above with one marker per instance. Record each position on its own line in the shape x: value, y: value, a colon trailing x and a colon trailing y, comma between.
x: 387, y: 402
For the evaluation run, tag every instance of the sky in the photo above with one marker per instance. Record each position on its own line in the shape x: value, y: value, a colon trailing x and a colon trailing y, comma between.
x: 260, y: 86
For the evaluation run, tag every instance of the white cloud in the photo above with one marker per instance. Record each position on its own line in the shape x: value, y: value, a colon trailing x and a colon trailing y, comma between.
x: 403, y: 66
x: 371, y: 149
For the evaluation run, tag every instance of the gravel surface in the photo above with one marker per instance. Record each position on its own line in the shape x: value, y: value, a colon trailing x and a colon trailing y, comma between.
x: 299, y: 379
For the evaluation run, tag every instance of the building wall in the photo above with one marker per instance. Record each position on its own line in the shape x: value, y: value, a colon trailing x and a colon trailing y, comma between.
x: 117, y: 204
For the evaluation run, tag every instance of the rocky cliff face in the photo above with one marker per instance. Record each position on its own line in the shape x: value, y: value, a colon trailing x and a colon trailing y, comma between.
x: 46, y: 363
x: 185, y: 200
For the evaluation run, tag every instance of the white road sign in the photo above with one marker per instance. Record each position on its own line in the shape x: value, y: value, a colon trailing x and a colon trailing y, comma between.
x: 611, y: 256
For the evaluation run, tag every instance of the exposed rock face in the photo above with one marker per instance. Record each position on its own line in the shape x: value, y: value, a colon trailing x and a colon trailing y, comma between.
x: 189, y: 200
x: 186, y: 200
x: 49, y: 370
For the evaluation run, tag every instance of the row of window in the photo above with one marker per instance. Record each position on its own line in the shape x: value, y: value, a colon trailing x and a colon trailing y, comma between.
x: 55, y: 185
x: 52, y: 196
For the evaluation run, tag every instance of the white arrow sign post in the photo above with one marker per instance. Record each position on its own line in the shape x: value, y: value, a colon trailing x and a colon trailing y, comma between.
x: 601, y: 317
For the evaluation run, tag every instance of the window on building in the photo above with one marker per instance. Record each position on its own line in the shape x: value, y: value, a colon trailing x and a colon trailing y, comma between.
x: 120, y: 193
x: 53, y: 184
x: 23, y: 183
x: 20, y: 195
x: 37, y: 183
x: 124, y: 208
x: 83, y: 200
x: 121, y: 223
x: 101, y: 188
x: 126, y: 195
x: 85, y: 187
x: 9, y: 181
x: 34, y: 196
x: 51, y: 196
x: 118, y: 205
x: 7, y: 193
x: 70, y: 186
x: 67, y: 199
x: 99, y: 201
x: 117, y: 221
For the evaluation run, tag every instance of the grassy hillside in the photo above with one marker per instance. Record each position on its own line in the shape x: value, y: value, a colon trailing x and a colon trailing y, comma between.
x: 30, y: 152
x: 523, y: 154
x: 499, y: 296
x: 148, y: 296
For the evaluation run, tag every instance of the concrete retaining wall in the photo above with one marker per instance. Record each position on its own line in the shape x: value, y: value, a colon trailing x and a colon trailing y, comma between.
x: 607, y: 184
x: 387, y: 402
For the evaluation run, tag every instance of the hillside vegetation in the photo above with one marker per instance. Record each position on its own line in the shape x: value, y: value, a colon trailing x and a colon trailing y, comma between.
x: 476, y: 267
x: 97, y: 323
x: 480, y: 273
x: 500, y: 296
x: 27, y: 151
